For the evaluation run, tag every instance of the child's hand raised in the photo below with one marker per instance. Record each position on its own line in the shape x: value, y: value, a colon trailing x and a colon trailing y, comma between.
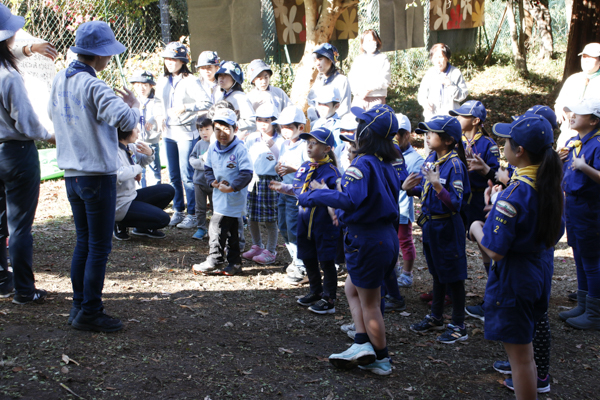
x: 578, y: 162
x: 314, y: 185
x: 476, y: 163
x: 412, y: 181
x: 502, y: 175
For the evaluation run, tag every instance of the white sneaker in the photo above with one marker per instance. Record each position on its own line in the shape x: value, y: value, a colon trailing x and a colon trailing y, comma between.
x: 189, y: 222
x: 176, y: 218
x: 357, y: 354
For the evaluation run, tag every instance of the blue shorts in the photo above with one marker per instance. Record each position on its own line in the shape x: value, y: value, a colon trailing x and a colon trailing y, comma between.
x: 371, y: 253
x: 516, y: 296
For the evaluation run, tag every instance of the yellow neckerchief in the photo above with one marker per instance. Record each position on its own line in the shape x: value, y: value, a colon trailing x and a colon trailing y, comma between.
x: 440, y: 161
x: 313, y: 167
x: 578, y: 144
x: 527, y: 174
x: 471, y: 142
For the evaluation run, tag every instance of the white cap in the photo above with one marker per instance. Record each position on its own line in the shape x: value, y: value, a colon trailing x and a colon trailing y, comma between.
x: 289, y: 115
x: 348, y: 122
x: 586, y: 107
x: 403, y: 122
x: 225, y: 115
x: 327, y: 94
x: 591, y: 49
x: 267, y: 110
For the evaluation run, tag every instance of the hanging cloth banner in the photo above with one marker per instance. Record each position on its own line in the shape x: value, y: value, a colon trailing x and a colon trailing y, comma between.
x: 290, y: 22
x: 455, y: 14
x: 401, y: 24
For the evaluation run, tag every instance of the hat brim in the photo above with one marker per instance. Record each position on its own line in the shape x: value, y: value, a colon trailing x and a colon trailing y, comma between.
x: 205, y: 64
x: 324, y: 54
x: 578, y: 109
x: 424, y: 128
x: 185, y: 60
x: 134, y: 80
x: 308, y: 135
x: 347, y: 138
x: 228, y: 122
x: 103, y: 51
x: 11, y: 26
x: 361, y: 114
x: 589, y: 54
x: 502, y: 129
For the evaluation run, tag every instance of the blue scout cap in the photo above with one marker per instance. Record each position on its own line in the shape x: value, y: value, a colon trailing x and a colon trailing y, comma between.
x: 403, y: 122
x: 545, y: 112
x: 533, y: 132
x: 207, y: 58
x: 329, y: 51
x: 471, y: 108
x: 9, y: 23
x: 348, y: 138
x: 267, y: 110
x: 348, y: 122
x: 327, y: 94
x: 177, y: 51
x: 256, y: 67
x: 142, y: 77
x: 442, y: 124
x: 289, y: 115
x: 95, y: 38
x: 232, y: 69
x: 322, y: 135
x: 380, y: 118
x: 225, y: 115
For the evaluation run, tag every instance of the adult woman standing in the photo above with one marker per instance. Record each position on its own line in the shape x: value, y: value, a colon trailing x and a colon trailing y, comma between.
x: 19, y: 170
x: 370, y: 74
x: 182, y: 97
x: 443, y: 86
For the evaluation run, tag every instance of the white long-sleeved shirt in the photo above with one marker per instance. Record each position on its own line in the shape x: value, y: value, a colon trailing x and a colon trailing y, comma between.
x: 443, y: 98
x: 370, y: 72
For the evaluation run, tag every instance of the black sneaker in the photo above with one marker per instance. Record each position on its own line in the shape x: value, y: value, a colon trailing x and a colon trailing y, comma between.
x: 232, y: 269
x: 503, y: 367
x: 73, y: 314
x: 428, y: 324
x: 120, y: 233
x: 38, y: 297
x: 151, y: 233
x: 392, y: 304
x: 97, y: 322
x: 453, y: 334
x: 309, y: 299
x: 323, y: 306
x: 476, y: 311
x: 7, y: 287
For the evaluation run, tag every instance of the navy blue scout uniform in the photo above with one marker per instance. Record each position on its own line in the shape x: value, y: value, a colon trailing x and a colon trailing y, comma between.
x: 317, y: 236
x: 583, y: 196
x: 487, y: 149
x: 518, y: 287
x: 368, y: 207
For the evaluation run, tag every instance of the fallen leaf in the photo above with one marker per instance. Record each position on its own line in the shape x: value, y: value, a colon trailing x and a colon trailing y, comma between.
x: 263, y: 313
x: 433, y: 360
x: 67, y: 359
x: 17, y: 369
x: 64, y: 370
x: 281, y: 349
x: 110, y: 388
x: 329, y: 396
x: 63, y: 315
x: 409, y: 389
x: 587, y: 367
x: 404, y: 314
x: 246, y: 373
x: 133, y: 320
x: 578, y: 346
x: 322, y: 359
x: 228, y: 324
x: 186, y: 307
x: 472, y: 295
x: 476, y: 331
x: 339, y: 317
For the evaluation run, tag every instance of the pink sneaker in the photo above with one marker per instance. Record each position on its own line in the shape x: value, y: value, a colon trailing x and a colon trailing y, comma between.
x: 266, y: 257
x: 253, y: 252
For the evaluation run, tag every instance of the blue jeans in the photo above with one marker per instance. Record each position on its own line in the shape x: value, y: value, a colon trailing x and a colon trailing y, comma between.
x: 154, y: 167
x: 19, y: 193
x: 93, y: 200
x: 181, y: 173
x: 146, y: 211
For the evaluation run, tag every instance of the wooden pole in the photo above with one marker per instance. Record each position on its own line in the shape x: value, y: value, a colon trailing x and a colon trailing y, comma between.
x: 489, y: 55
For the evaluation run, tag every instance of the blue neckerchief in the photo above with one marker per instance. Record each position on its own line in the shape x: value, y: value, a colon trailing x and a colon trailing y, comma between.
x: 130, y: 153
x: 77, y: 66
x: 330, y: 79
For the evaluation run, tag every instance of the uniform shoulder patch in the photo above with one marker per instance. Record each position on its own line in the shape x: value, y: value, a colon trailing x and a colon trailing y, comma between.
x: 458, y: 185
x: 504, y: 207
x: 354, y: 173
x: 494, y: 150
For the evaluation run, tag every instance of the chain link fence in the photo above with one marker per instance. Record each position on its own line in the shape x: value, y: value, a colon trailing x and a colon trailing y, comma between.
x: 140, y: 32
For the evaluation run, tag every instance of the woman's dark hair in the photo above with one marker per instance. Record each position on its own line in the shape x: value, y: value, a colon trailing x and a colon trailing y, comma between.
x: 7, y: 58
x: 124, y: 135
x: 460, y: 149
x: 331, y: 69
x: 152, y: 93
x: 185, y: 71
x: 440, y: 46
x: 375, y: 36
x: 369, y: 142
x: 550, y: 194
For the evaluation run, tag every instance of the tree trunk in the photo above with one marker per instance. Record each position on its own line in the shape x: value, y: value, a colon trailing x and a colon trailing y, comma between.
x: 528, y: 25
x: 584, y: 29
x: 568, y: 13
x: 319, y: 28
x: 518, y: 38
x: 541, y: 15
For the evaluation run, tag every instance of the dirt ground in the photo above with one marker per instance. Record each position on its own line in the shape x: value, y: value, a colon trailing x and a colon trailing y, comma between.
x: 188, y: 336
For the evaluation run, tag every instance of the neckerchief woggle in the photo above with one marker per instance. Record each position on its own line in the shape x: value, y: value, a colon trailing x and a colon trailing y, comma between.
x: 578, y: 144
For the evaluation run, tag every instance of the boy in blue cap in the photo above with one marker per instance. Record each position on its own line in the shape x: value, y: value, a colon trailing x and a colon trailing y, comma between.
x: 86, y: 114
